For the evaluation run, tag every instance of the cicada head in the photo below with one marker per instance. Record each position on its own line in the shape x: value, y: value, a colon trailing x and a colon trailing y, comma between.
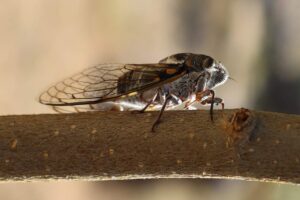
x: 214, y: 72
x: 217, y: 75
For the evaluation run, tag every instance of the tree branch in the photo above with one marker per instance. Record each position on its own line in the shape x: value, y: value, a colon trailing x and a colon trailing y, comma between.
x: 119, y: 145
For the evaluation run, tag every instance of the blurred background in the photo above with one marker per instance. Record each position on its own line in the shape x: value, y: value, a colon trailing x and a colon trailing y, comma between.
x: 45, y: 41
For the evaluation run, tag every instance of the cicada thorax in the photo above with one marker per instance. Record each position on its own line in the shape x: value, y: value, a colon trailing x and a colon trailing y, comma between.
x: 183, y: 88
x: 179, y: 58
x: 197, y: 62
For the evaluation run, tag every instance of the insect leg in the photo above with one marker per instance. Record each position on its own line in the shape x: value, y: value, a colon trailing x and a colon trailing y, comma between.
x: 212, y: 105
x: 216, y: 101
x: 189, y: 102
x: 168, y: 98
x: 206, y: 93
x: 143, y: 109
x: 147, y: 105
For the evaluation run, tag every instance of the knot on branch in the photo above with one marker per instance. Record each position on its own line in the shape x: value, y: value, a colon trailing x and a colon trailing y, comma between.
x: 240, y: 127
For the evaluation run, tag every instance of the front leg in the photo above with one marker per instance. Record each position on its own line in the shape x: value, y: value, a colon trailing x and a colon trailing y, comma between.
x: 216, y: 101
x: 207, y: 93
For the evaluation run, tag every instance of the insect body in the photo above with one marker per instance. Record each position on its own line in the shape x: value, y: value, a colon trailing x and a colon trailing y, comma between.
x: 178, y: 79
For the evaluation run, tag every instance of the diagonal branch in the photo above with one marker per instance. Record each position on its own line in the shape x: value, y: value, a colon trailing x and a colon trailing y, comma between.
x: 119, y: 145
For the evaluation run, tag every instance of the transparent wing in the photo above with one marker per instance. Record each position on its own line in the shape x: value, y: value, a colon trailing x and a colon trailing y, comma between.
x: 108, y: 82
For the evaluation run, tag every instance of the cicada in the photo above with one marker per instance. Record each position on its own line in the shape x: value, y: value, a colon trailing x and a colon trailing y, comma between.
x: 179, y: 79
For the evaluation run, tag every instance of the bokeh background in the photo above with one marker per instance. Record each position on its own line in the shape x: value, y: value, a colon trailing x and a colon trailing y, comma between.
x: 42, y: 42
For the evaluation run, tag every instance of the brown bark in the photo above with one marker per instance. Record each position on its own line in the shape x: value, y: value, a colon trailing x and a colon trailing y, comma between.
x: 119, y: 145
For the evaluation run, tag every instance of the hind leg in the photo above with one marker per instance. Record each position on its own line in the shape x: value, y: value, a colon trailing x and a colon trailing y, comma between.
x: 157, y: 121
x: 148, y: 103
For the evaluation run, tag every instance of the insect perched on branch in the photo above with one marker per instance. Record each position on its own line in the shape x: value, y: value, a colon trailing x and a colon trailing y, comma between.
x: 178, y: 79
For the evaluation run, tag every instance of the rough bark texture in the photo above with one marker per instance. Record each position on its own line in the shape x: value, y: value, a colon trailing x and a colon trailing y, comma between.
x: 119, y: 145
